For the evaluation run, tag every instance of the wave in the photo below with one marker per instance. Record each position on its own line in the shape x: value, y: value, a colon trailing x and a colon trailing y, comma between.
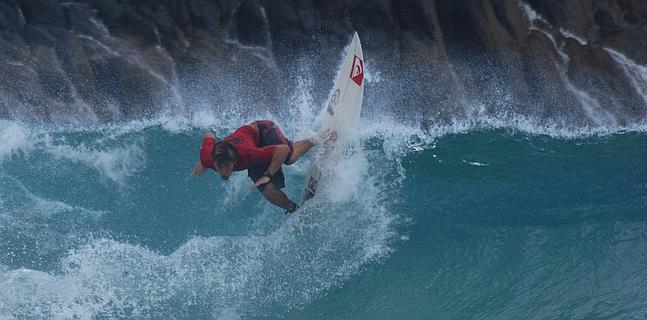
x: 102, y: 181
x: 119, y: 230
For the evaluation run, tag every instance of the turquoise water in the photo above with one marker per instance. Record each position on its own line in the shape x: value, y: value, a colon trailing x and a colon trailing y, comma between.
x: 473, y: 222
x: 511, y: 226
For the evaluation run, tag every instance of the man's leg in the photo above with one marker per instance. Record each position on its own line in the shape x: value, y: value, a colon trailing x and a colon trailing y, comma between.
x: 278, y: 197
x: 299, y: 148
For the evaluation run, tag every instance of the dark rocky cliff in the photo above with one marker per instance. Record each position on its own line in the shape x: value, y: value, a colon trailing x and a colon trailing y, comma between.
x: 104, y: 60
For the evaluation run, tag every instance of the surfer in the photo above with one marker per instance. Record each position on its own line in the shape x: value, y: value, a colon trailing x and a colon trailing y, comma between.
x: 261, y: 148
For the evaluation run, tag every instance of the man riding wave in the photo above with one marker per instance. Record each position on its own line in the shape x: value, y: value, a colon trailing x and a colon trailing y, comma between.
x: 260, y: 148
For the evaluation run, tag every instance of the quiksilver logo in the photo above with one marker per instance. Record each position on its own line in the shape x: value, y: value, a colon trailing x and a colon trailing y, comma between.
x: 357, y: 71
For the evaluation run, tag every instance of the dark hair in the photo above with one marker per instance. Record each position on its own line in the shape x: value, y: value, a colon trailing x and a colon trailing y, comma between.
x: 224, y: 152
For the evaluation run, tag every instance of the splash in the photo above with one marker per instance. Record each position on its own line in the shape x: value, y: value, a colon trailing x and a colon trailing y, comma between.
x: 271, y: 262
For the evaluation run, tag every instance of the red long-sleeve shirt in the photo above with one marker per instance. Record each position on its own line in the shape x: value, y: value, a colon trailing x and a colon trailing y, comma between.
x: 246, y: 140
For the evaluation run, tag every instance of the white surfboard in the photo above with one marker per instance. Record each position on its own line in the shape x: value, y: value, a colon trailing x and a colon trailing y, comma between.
x: 340, y: 115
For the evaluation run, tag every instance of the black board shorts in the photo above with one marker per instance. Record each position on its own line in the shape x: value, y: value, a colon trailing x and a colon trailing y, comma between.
x: 270, y: 134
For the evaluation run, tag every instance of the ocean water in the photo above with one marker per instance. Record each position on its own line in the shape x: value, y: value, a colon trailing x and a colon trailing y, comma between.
x: 474, y: 221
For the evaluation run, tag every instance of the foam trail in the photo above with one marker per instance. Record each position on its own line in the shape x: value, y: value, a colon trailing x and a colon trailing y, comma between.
x: 30, y: 222
x: 118, y: 163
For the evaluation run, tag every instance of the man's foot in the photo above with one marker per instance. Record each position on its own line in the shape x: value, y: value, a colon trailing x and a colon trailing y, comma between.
x: 326, y: 137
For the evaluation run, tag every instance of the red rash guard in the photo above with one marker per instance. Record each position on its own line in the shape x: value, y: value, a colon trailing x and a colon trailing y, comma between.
x: 246, y: 140
x: 205, y: 152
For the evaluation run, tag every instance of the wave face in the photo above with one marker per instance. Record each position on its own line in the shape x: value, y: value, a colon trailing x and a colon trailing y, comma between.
x: 473, y: 221
x: 506, y: 225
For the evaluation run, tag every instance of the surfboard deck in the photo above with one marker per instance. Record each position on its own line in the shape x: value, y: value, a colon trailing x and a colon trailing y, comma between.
x: 340, y: 117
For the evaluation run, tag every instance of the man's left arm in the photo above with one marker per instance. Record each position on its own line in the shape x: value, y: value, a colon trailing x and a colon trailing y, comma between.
x: 279, y: 155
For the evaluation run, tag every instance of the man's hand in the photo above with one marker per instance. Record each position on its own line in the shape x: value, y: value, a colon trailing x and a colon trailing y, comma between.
x: 292, y: 207
x: 263, y: 180
x: 279, y: 155
x: 198, y: 170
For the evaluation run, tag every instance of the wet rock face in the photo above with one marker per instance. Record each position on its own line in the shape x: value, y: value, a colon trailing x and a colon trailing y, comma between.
x: 107, y: 60
x: 608, y: 22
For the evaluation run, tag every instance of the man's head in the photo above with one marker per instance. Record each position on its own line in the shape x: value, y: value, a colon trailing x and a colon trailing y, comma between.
x: 224, y: 157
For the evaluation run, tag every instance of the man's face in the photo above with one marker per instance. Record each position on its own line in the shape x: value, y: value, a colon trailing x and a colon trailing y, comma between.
x: 225, y: 170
